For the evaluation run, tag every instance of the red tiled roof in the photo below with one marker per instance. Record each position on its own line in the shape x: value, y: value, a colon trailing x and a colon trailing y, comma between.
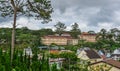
x: 54, y: 51
x: 86, y: 33
x: 58, y: 37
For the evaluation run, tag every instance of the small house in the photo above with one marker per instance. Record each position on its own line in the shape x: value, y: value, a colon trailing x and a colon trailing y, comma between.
x: 57, y: 61
x: 116, y: 54
x: 28, y: 51
x: 89, y: 55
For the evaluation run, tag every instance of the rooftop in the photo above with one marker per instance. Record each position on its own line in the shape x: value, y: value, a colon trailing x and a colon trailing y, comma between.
x: 86, y: 33
x: 58, y: 37
x: 110, y: 62
x: 92, y: 54
x: 116, y: 51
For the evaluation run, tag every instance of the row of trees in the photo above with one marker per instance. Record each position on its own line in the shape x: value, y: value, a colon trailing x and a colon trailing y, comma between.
x: 75, y: 31
x: 109, y: 39
x: 23, y: 62
x: 105, y: 40
x: 24, y: 37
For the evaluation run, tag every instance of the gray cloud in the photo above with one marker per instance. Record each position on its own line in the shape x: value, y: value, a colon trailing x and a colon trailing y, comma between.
x: 5, y: 19
x: 89, y: 14
x: 93, y: 12
x: 63, y: 4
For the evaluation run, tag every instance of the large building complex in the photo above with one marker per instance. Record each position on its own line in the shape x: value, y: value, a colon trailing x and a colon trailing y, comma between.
x: 59, y: 40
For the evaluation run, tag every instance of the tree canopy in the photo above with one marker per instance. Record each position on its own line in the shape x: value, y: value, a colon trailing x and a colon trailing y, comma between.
x: 39, y: 9
x: 60, y: 27
x: 75, y: 31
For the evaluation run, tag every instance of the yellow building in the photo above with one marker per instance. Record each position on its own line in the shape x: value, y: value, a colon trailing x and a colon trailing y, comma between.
x: 106, y: 65
x: 59, y: 40
x: 89, y: 55
x: 72, y: 41
x: 88, y: 37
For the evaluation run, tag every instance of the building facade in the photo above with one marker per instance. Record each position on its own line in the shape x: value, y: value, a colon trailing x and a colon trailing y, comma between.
x: 59, y: 40
x: 88, y: 37
x: 89, y: 55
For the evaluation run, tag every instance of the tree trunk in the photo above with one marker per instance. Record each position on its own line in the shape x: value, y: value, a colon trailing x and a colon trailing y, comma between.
x: 13, y: 36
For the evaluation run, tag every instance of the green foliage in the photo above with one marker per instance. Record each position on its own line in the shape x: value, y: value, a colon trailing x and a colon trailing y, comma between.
x: 24, y: 37
x: 75, y: 30
x: 105, y: 40
x: 60, y: 27
x: 53, y: 45
x: 91, y: 32
x: 40, y: 9
x: 108, y: 40
x: 68, y: 55
x: 24, y: 63
x: 72, y: 48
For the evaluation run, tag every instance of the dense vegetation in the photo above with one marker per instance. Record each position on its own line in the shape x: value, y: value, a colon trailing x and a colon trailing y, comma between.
x: 106, y: 40
x: 24, y: 37
x: 23, y: 62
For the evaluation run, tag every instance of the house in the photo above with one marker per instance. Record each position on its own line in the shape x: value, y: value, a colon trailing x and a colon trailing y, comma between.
x: 116, y: 54
x: 57, y: 61
x: 102, y: 54
x: 59, y: 40
x: 43, y: 47
x: 89, y: 55
x: 81, y: 49
x: 105, y: 65
x: 28, y: 51
x: 89, y: 37
x: 58, y: 50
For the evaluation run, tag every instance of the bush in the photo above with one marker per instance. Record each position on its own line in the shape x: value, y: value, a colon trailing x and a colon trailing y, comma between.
x: 23, y: 63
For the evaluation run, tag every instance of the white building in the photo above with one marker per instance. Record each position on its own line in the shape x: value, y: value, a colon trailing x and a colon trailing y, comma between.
x: 28, y: 51
x: 116, y: 54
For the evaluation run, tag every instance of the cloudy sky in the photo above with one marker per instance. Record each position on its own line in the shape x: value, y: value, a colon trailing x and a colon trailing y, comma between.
x: 89, y: 14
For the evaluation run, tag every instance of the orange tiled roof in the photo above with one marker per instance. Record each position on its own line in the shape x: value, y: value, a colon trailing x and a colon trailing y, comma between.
x: 86, y: 33
x: 58, y: 37
x: 54, y: 51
